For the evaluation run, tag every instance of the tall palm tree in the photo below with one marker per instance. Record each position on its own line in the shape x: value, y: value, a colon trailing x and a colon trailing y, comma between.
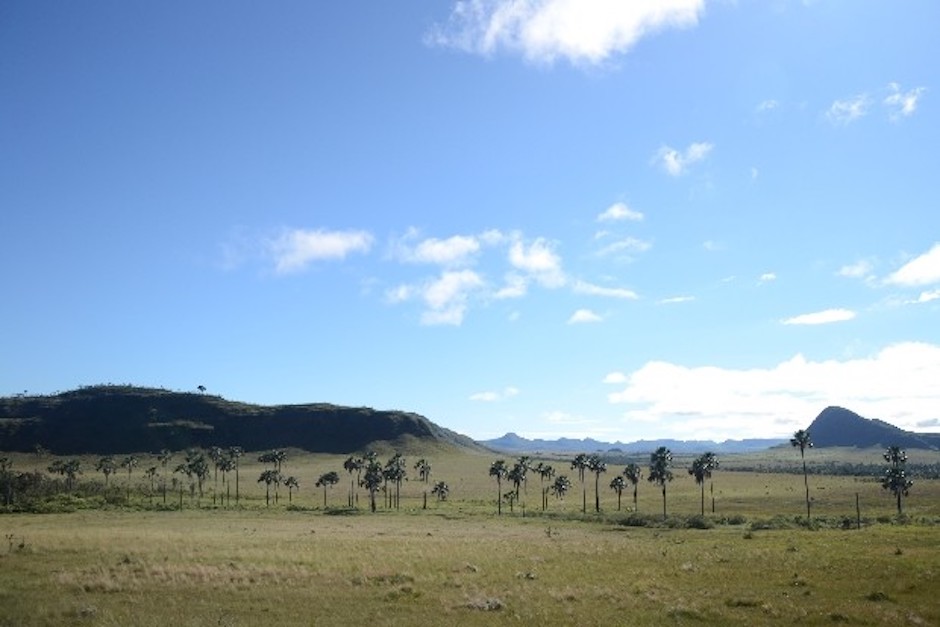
x: 633, y: 473
x: 326, y: 481
x: 701, y: 470
x: 130, y: 463
x: 711, y: 460
x: 152, y: 476
x: 802, y: 440
x: 895, y: 477
x: 598, y: 467
x: 106, y: 466
x: 618, y: 484
x: 197, y: 469
x: 268, y: 477
x: 423, y: 469
x: 660, y: 474
x: 517, y: 475
x: 227, y: 465
x: 291, y: 483
x: 372, y: 480
x: 580, y: 463
x: 164, y: 458
x: 396, y: 471
x: 235, y: 453
x: 499, y: 471
x: 216, y: 455
x: 545, y: 472
x: 352, y: 465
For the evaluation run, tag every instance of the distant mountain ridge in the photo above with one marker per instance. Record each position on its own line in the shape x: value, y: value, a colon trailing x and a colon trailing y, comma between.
x: 123, y: 419
x: 837, y: 426
x: 513, y: 443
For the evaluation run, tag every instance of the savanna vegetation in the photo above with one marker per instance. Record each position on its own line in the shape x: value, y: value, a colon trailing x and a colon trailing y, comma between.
x: 208, y: 537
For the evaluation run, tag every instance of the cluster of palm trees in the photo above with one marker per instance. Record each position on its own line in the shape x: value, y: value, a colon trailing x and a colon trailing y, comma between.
x: 369, y: 473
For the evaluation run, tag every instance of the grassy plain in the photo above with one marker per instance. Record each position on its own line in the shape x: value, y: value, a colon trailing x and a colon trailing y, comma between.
x: 459, y: 564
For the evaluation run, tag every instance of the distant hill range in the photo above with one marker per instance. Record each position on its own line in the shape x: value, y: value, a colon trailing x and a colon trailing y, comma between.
x: 837, y: 426
x: 512, y: 443
x: 122, y: 419
x: 834, y: 426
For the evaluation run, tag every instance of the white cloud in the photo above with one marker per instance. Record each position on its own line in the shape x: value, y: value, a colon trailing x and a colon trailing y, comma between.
x: 583, y: 287
x: 843, y: 112
x: 582, y: 316
x: 515, y: 287
x: 712, y: 246
x: 619, y: 211
x: 927, y: 297
x: 767, y: 277
x: 673, y: 300
x: 859, y: 270
x: 677, y: 163
x: 454, y: 250
x: 615, y: 377
x: 897, y: 384
x: 922, y: 270
x: 768, y: 105
x: 626, y: 245
x: 539, y: 261
x: 295, y: 249
x: 581, y: 31
x: 821, y: 317
x: 492, y: 397
x: 902, y: 104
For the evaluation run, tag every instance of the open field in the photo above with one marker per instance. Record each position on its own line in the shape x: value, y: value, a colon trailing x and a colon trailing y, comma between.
x: 458, y: 563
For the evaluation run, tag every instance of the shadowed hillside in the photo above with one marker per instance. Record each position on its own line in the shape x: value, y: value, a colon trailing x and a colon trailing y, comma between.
x: 837, y: 426
x: 116, y: 419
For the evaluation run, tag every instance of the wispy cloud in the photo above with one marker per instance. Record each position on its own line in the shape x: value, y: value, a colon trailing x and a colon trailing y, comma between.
x: 922, y: 270
x: 445, y: 298
x: 619, y: 211
x: 626, y: 246
x: 821, y: 317
x: 495, y: 396
x: 767, y: 277
x: 767, y: 105
x: 676, y: 162
x: 584, y: 315
x: 927, y: 297
x: 898, y: 383
x: 902, y: 104
x: 583, y: 287
x: 295, y: 249
x: 674, y: 300
x: 581, y: 31
x: 615, y: 377
x: 861, y: 269
x: 844, y: 112
x: 452, y: 251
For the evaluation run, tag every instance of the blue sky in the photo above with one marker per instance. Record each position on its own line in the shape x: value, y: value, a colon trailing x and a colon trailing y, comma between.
x: 555, y: 217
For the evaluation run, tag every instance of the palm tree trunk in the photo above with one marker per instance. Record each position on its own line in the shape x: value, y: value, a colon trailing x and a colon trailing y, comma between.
x: 664, y: 501
x: 597, y: 492
x: 805, y: 483
x: 703, y: 498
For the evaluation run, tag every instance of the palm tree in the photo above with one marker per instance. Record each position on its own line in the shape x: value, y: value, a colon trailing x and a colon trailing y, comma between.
x: 152, y: 475
x: 517, y: 476
x: 353, y: 465
x: 227, y: 465
x: 106, y: 466
x: 802, y: 440
x: 660, y: 460
x: 560, y: 486
x: 424, y: 474
x: 396, y: 471
x: 596, y: 466
x: 618, y: 484
x: 291, y: 483
x: 441, y: 490
x: 701, y: 470
x: 711, y: 460
x: 545, y: 472
x: 201, y: 388
x: 197, y: 469
x: 234, y: 453
x: 895, y: 477
x: 130, y: 462
x: 372, y: 481
x: 633, y: 473
x: 499, y: 471
x: 69, y: 469
x: 511, y: 497
x: 268, y: 477
x: 327, y: 480
x: 216, y: 455
x: 164, y: 458
x: 580, y: 463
